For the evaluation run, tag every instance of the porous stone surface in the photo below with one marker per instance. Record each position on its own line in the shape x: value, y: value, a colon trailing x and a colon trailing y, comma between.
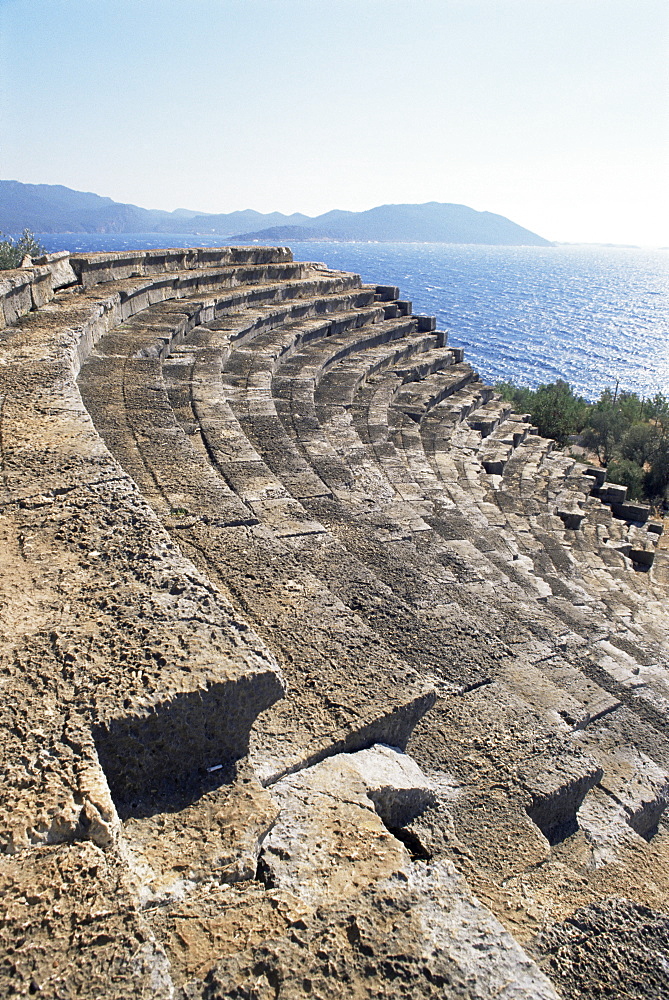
x: 604, y: 949
x: 322, y: 673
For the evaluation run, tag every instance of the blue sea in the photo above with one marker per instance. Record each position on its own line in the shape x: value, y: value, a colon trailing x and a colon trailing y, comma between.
x: 529, y: 315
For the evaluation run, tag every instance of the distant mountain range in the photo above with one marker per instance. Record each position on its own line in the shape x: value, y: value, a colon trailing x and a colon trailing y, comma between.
x: 52, y: 208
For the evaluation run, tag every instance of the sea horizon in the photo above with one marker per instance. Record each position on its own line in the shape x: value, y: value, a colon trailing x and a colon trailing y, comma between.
x: 591, y: 314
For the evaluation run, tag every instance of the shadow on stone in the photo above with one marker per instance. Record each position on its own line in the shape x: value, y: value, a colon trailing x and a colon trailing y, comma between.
x: 166, y: 759
x: 555, y: 832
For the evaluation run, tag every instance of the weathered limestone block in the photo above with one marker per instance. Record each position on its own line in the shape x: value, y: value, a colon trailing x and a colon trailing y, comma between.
x: 571, y: 518
x: 61, y: 270
x: 94, y: 268
x: 15, y: 296
x: 329, y: 842
x: 41, y: 287
x: 629, y: 511
x: 107, y: 630
x: 52, y: 788
x: 387, y: 293
x: 411, y: 936
x: 612, y: 493
x: 395, y: 784
x: 373, y: 923
x: 637, y: 784
x: 557, y: 785
x: 91, y: 269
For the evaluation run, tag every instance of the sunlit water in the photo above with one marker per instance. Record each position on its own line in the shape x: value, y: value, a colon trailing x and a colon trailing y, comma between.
x: 524, y: 314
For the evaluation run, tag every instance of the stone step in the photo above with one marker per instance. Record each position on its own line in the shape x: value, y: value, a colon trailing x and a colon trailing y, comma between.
x: 217, y: 529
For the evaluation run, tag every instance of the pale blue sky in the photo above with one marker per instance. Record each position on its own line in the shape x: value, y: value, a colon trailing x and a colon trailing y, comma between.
x: 554, y: 113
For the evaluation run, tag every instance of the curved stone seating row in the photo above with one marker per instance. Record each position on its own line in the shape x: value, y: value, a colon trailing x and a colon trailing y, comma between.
x: 135, y: 352
x: 298, y: 498
x: 242, y: 467
x: 181, y: 494
x: 130, y: 406
x: 571, y: 541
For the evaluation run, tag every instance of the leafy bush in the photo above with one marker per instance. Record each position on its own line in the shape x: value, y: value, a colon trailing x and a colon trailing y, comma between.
x: 12, y: 253
x: 554, y: 408
x: 639, y: 443
x: 656, y: 478
x: 628, y: 474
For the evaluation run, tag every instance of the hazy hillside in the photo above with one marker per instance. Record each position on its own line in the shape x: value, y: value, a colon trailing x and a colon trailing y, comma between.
x: 52, y: 208
x: 232, y: 222
x: 433, y: 222
x: 282, y: 234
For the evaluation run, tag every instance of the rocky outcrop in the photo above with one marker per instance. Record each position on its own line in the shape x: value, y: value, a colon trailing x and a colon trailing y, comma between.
x: 323, y: 673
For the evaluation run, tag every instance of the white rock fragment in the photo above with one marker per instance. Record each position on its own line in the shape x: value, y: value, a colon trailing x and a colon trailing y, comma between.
x: 394, y: 782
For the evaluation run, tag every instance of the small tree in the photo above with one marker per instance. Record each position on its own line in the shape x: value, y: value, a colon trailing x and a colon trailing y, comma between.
x: 12, y: 253
x: 607, y: 425
x: 639, y: 443
x: 656, y: 479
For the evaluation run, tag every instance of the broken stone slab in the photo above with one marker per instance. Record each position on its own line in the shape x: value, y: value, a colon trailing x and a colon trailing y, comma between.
x: 328, y: 842
x: 418, y: 935
x: 366, y: 792
x: 331, y: 850
x: 59, y: 265
x: 394, y: 782
x: 608, y: 836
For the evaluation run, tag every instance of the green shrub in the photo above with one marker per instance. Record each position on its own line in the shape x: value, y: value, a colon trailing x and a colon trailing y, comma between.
x: 520, y: 397
x: 554, y: 408
x: 639, y: 443
x: 627, y: 473
x: 12, y: 253
x: 656, y: 479
x: 557, y: 412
